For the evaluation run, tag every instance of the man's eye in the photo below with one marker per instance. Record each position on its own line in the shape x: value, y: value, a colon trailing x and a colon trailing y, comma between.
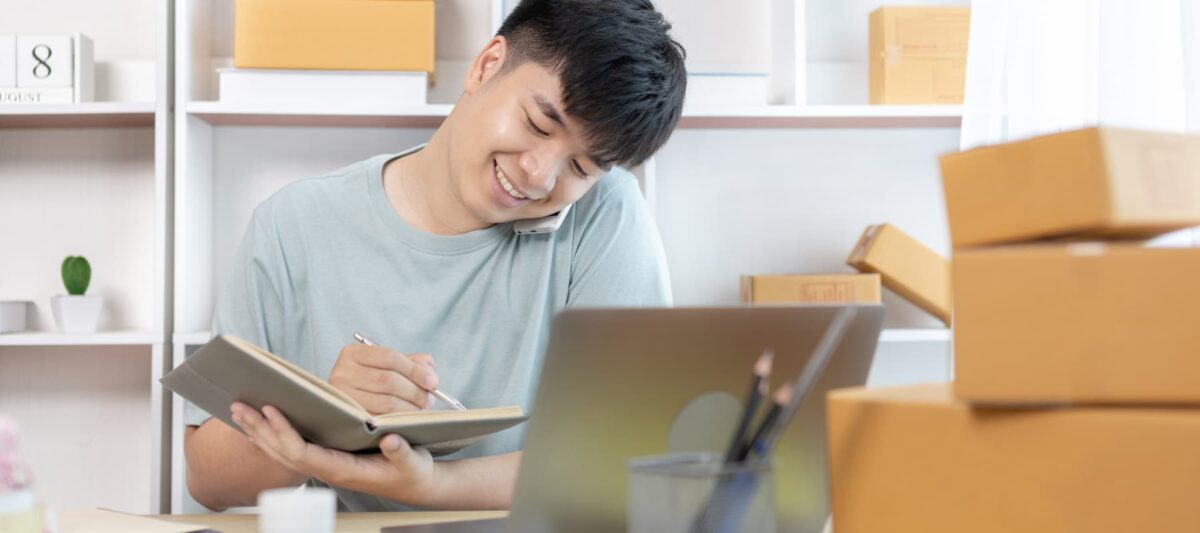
x: 536, y: 129
x: 579, y: 169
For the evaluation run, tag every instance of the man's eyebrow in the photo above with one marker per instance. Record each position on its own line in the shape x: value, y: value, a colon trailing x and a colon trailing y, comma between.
x: 552, y: 112
x: 549, y: 109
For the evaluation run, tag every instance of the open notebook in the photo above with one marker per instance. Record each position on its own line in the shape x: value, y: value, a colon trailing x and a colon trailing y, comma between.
x: 229, y: 369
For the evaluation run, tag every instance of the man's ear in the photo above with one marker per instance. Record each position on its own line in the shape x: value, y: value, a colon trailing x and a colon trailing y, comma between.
x: 489, y: 62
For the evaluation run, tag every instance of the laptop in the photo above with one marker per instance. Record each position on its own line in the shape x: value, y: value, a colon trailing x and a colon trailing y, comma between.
x: 619, y: 384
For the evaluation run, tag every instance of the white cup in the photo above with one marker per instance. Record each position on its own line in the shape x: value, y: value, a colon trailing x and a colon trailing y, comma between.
x: 303, y: 510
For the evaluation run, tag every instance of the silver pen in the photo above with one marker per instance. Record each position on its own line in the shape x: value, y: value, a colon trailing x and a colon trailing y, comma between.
x: 448, y: 399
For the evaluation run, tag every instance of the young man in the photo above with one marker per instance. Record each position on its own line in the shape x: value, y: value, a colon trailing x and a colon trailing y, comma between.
x: 416, y: 250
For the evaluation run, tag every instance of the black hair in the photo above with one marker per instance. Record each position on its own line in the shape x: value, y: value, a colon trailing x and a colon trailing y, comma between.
x: 622, y: 75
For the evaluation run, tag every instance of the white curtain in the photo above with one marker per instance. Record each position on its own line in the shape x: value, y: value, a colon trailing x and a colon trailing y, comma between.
x: 1041, y: 66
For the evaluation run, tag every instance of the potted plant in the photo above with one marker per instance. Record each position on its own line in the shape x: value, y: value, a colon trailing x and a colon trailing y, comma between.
x: 75, y: 312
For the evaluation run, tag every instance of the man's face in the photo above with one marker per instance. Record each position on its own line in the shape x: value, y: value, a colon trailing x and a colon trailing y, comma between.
x: 515, y: 154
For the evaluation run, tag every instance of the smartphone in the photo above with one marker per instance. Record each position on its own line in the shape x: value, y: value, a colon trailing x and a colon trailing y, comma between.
x: 547, y: 224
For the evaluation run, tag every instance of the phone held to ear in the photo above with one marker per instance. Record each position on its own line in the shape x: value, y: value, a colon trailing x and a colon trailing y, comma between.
x: 547, y: 224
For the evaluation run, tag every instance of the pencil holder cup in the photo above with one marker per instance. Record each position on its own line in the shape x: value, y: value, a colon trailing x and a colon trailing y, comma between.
x: 700, y: 493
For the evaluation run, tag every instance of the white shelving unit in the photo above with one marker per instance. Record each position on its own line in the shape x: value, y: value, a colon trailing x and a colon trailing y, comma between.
x: 92, y: 179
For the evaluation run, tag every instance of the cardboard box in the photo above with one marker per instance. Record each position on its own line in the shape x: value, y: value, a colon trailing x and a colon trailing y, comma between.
x: 334, y: 34
x: 908, y: 267
x: 918, y: 55
x: 1099, y: 182
x: 805, y: 288
x: 1077, y: 323
x: 915, y: 459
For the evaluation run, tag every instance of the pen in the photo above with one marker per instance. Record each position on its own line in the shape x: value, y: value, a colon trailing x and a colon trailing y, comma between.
x: 448, y: 399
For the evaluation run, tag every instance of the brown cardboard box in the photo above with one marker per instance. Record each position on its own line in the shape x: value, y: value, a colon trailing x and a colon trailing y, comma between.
x: 908, y: 267
x: 334, y: 34
x: 1095, y: 182
x: 807, y: 288
x: 918, y: 54
x: 914, y: 459
x: 1077, y: 323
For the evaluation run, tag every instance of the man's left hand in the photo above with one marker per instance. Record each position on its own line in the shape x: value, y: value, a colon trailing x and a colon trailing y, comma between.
x: 401, y: 473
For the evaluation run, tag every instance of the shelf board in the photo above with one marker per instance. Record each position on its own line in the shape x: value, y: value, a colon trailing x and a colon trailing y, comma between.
x: 888, y: 335
x: 431, y: 115
x: 915, y: 335
x: 822, y: 116
x: 82, y: 115
x: 224, y: 114
x: 195, y: 338
x: 103, y: 338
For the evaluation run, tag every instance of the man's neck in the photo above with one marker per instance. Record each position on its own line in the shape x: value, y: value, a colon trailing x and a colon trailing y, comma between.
x: 420, y: 190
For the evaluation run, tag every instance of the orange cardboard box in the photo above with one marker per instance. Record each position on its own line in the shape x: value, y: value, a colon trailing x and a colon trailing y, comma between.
x: 915, y: 459
x: 1094, y: 182
x: 918, y: 55
x: 334, y: 34
x: 1077, y: 323
x: 807, y: 288
x: 908, y: 267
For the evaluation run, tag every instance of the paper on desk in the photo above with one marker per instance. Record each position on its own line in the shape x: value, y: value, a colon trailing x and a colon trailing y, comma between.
x: 105, y: 521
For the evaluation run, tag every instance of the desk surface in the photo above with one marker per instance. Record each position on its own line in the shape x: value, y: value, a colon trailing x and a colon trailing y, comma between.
x: 346, y: 522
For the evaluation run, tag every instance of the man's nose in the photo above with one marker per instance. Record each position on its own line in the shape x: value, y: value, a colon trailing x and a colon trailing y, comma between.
x: 540, y: 176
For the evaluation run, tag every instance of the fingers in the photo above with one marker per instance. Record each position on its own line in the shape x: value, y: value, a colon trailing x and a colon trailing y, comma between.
x: 271, y: 432
x: 376, y: 403
x: 384, y: 380
x: 400, y: 453
x: 418, y: 367
x: 394, y: 445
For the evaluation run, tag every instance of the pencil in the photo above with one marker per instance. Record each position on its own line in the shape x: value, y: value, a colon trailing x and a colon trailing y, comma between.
x: 756, y: 445
x: 758, y: 388
x: 809, y: 375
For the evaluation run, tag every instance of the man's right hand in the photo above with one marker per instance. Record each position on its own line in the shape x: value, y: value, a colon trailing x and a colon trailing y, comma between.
x: 383, y: 380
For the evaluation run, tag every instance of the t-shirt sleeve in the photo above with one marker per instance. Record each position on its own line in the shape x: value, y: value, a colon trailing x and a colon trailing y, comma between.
x: 249, y: 305
x: 618, y: 259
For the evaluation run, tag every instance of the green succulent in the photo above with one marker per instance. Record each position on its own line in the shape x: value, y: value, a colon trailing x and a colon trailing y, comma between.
x: 76, y: 275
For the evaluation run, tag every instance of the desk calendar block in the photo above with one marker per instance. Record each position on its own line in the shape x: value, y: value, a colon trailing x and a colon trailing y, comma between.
x: 44, y: 61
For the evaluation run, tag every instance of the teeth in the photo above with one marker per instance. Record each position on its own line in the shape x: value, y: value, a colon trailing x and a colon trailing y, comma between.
x: 508, y: 186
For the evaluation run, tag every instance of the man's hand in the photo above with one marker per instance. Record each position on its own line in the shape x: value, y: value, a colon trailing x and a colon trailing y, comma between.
x: 402, y: 473
x: 383, y: 380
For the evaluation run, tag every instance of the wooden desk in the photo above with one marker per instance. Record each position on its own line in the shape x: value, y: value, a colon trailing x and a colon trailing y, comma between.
x: 346, y: 522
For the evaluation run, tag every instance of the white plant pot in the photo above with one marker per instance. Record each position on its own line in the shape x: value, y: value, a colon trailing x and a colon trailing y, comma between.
x: 76, y: 314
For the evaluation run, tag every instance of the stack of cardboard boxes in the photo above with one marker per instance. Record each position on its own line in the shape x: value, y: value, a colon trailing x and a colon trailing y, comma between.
x: 1076, y: 401
x: 370, y: 54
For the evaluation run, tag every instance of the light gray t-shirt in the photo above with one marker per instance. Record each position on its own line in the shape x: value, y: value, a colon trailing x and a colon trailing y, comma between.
x: 328, y: 256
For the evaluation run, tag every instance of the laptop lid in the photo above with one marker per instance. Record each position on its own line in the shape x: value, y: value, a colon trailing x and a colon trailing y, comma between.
x: 624, y: 383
